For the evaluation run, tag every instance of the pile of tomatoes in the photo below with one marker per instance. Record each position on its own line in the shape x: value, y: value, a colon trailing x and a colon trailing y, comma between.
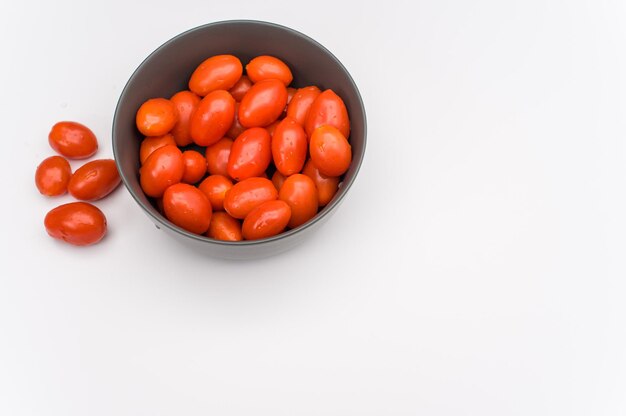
x: 209, y: 152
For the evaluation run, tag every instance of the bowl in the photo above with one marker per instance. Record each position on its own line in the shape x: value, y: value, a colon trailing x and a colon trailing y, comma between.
x: 167, y: 70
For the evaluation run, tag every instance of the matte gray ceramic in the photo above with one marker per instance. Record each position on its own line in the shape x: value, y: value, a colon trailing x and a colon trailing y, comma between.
x: 167, y: 70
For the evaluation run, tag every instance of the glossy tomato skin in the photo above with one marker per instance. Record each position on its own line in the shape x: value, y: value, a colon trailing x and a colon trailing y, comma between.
x: 150, y: 144
x: 263, y: 103
x: 217, y: 157
x: 72, y: 140
x: 215, y: 188
x: 266, y: 220
x: 219, y: 72
x: 278, y: 179
x: 52, y: 176
x: 213, y: 118
x: 289, y: 147
x: 327, y: 186
x: 236, y: 128
x: 195, y: 166
x: 290, y: 93
x: 77, y: 223
x: 328, y: 109
x: 272, y: 128
x: 244, y: 196
x: 224, y: 227
x: 300, y: 194
x: 330, y: 151
x: 186, y: 103
x: 156, y: 117
x: 240, y: 88
x: 268, y: 67
x: 299, y: 106
x: 94, y: 180
x: 251, y: 154
x: 163, y: 168
x: 186, y: 206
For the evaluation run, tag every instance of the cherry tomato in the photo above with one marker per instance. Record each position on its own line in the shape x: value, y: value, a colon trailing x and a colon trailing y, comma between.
x: 94, y: 180
x: 156, y: 117
x: 300, y: 193
x: 217, y: 157
x: 213, y: 118
x: 290, y: 93
x: 268, y: 67
x: 77, y: 223
x: 327, y: 186
x: 52, y: 176
x: 240, y: 88
x: 186, y: 103
x: 163, y: 168
x: 266, y: 220
x: 299, y: 106
x: 251, y: 154
x: 272, y: 128
x: 72, y: 140
x: 263, y: 103
x: 150, y: 144
x: 224, y: 227
x: 278, y: 179
x: 244, y: 196
x: 289, y: 147
x: 328, y: 109
x: 236, y: 128
x: 195, y: 166
x: 330, y: 151
x: 186, y: 206
x: 215, y: 188
x: 219, y: 72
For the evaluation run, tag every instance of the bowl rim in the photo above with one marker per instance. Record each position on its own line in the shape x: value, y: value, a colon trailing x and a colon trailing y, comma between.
x: 345, y: 185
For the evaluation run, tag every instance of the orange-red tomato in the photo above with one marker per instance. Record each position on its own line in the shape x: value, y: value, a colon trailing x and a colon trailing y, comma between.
x: 327, y: 186
x: 186, y: 206
x: 301, y: 102
x: 240, y: 88
x: 266, y: 220
x: 52, y: 176
x: 300, y: 193
x: 251, y: 154
x: 186, y: 103
x: 328, y: 109
x: 289, y: 147
x: 213, y: 118
x: 244, y: 196
x: 156, y: 117
x: 330, y: 151
x: 268, y: 67
x: 217, y: 157
x: 224, y: 227
x: 272, y: 128
x: 215, y: 188
x: 219, y: 72
x: 236, y: 128
x: 94, y: 180
x: 278, y: 179
x: 163, y: 168
x: 150, y: 144
x: 73, y: 140
x: 290, y: 93
x: 195, y: 166
x: 77, y: 223
x: 263, y: 103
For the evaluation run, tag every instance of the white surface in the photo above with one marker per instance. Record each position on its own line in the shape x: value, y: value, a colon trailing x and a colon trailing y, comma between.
x: 476, y: 268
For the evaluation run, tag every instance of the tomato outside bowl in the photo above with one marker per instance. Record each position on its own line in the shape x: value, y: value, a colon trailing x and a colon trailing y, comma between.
x: 167, y: 70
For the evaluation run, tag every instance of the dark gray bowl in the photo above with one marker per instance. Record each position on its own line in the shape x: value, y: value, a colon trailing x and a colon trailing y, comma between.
x: 167, y: 71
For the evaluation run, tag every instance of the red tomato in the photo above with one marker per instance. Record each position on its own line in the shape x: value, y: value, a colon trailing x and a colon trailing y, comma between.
x: 272, y: 128
x: 186, y: 206
x: 73, y: 140
x: 52, y: 176
x: 326, y: 185
x: 156, y: 117
x: 150, y: 144
x: 328, y: 109
x: 77, y: 223
x: 219, y: 72
x: 290, y: 93
x: 163, y: 168
x: 266, y: 220
x: 224, y: 227
x: 301, y: 102
x: 300, y: 193
x: 251, y: 154
x: 278, y: 179
x: 289, y: 147
x: 244, y: 196
x: 240, y: 88
x: 236, y: 128
x: 195, y: 166
x: 213, y: 118
x: 263, y: 103
x: 186, y: 103
x: 217, y: 157
x: 215, y: 188
x: 268, y: 67
x: 94, y: 180
x: 330, y: 151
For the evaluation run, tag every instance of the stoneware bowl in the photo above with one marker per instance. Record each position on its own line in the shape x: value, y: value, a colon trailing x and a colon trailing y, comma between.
x: 167, y: 70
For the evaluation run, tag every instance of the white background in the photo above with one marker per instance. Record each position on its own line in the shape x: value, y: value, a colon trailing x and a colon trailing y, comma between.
x: 475, y: 268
